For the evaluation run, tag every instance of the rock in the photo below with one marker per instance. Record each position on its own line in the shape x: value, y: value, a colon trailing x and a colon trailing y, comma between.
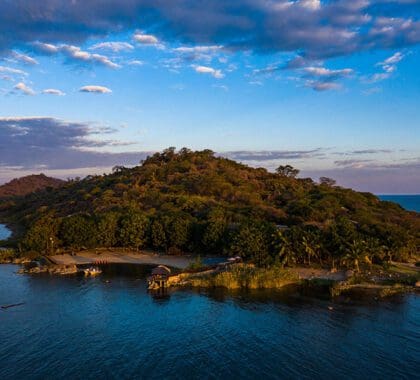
x: 51, y: 269
x: 63, y: 269
x: 417, y: 284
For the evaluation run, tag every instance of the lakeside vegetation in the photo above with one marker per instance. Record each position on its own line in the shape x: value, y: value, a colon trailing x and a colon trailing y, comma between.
x: 197, y: 203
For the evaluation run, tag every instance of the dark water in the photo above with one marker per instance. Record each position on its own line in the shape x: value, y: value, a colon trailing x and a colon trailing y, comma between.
x: 73, y: 327
x: 409, y: 202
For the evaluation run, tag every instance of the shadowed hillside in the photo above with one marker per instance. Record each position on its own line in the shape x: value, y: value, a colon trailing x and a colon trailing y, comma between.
x: 28, y: 184
x: 195, y: 202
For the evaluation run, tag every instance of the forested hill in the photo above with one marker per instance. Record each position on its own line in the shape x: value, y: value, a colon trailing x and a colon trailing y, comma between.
x: 195, y: 202
x: 29, y: 184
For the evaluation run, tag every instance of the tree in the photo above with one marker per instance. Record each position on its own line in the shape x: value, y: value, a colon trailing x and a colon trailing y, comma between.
x: 215, y: 230
x: 287, y: 171
x: 133, y: 229
x: 252, y: 242
x: 327, y: 181
x: 42, y: 235
x: 355, y: 250
x: 118, y: 169
x: 285, y: 254
x: 178, y: 231
x: 107, y: 229
x: 158, y: 235
x: 78, y: 231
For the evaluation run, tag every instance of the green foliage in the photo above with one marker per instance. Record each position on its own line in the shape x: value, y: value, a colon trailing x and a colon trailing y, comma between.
x: 242, y: 276
x: 107, y: 228
x: 287, y: 171
x: 178, y: 230
x: 214, y: 235
x: 195, y: 202
x: 78, y: 231
x: 42, y: 235
x: 158, y: 235
x: 133, y: 229
x: 252, y: 243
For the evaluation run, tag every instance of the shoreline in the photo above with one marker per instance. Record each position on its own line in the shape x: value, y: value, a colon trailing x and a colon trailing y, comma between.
x: 397, y: 278
x: 337, y: 283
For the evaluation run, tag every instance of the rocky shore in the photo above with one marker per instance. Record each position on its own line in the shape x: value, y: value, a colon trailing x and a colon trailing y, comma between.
x: 49, y: 269
x: 375, y: 281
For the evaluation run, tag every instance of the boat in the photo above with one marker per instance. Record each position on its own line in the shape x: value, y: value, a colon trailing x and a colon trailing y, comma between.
x: 92, y: 271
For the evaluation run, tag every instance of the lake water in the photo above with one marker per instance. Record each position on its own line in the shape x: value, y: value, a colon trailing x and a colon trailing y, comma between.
x: 4, y: 232
x: 409, y: 202
x: 88, y: 328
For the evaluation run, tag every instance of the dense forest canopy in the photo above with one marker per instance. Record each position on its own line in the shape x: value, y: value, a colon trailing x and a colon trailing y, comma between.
x: 198, y: 203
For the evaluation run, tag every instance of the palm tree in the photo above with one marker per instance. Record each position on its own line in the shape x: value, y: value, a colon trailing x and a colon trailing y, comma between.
x: 355, y: 249
x: 285, y: 250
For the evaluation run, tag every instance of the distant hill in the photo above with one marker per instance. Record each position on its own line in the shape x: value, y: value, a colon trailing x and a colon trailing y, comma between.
x: 29, y: 184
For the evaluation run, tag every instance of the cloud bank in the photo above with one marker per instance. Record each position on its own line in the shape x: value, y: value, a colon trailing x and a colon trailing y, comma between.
x: 316, y: 29
x: 48, y: 143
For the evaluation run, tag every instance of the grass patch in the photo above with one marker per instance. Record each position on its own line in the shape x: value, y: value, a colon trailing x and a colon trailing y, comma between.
x: 242, y: 276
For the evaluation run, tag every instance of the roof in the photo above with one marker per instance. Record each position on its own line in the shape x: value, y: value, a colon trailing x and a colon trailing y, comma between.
x: 161, y: 270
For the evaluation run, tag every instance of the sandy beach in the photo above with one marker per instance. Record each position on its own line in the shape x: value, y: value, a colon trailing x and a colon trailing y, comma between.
x: 123, y: 257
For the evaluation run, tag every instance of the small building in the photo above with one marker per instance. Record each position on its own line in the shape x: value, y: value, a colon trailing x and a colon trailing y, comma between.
x: 159, y: 277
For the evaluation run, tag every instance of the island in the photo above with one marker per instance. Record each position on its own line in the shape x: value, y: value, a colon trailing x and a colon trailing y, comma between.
x: 181, y: 206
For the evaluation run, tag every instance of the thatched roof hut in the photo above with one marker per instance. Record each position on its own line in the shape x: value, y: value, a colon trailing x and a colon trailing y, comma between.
x: 161, y: 270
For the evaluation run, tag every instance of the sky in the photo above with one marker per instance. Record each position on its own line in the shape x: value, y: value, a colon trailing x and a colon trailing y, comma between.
x: 331, y: 87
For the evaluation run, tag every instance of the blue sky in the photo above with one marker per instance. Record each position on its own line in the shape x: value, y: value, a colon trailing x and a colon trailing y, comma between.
x: 331, y: 87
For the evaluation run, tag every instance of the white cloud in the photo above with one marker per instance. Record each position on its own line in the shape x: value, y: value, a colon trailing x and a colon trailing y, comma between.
x: 74, y: 52
x: 95, y: 89
x: 324, y: 72
x: 22, y: 87
x: 10, y: 70
x: 145, y: 39
x: 45, y: 48
x: 397, y: 57
x: 209, y: 70
x: 24, y: 58
x: 112, y: 46
x: 378, y: 77
x: 198, y: 49
x: 322, y: 85
x: 388, y: 66
x: 53, y: 91
x: 310, y: 4
x: 221, y: 87
x: 135, y: 62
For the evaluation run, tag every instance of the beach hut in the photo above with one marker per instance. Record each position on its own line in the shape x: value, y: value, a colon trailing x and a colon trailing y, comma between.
x: 159, y: 277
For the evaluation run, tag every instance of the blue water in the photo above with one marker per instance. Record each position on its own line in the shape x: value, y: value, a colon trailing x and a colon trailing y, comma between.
x: 409, y: 202
x: 88, y: 328
x: 4, y: 232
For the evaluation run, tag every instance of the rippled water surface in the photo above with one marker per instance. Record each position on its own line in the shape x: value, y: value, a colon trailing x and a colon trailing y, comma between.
x: 110, y: 327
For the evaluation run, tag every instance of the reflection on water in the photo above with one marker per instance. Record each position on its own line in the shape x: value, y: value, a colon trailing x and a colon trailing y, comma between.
x: 111, y: 327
